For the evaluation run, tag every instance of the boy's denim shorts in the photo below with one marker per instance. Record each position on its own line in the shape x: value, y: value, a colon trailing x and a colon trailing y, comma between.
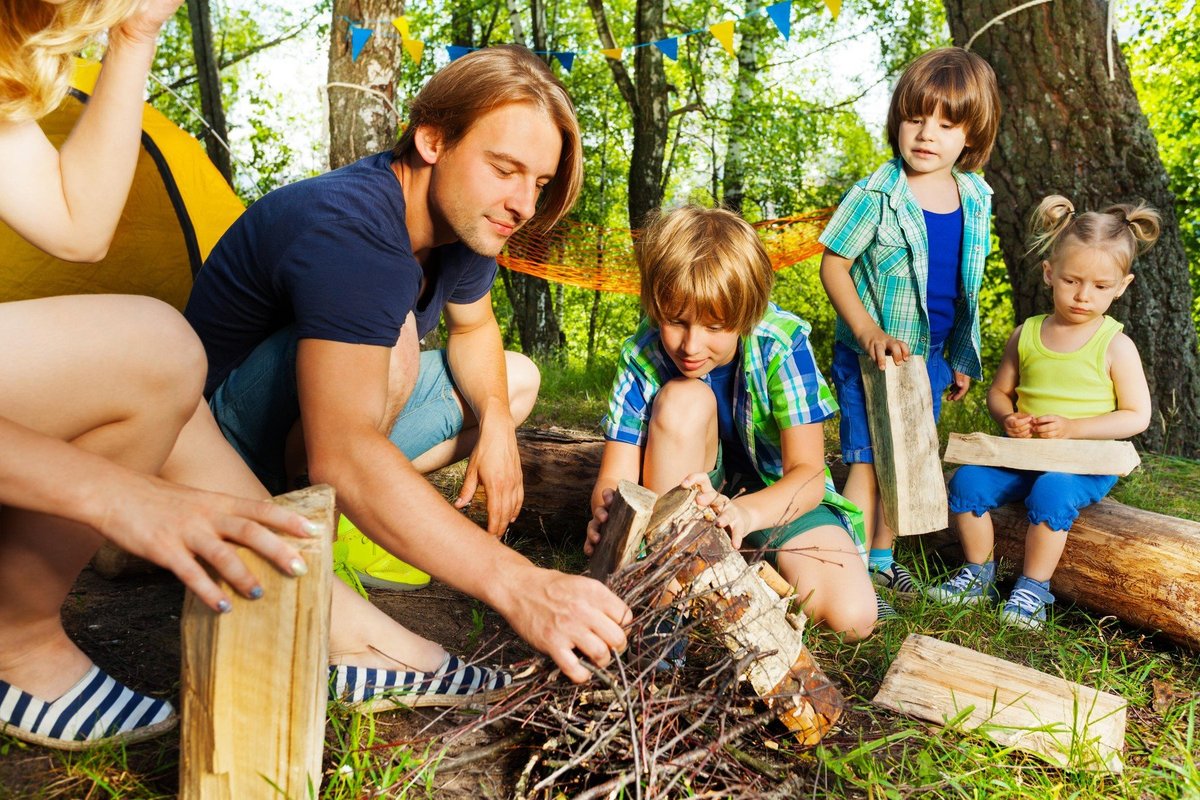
x: 1050, y: 497
x: 851, y: 397
x: 258, y: 404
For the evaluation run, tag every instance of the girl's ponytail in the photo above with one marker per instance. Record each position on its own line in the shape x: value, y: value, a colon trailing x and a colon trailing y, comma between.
x: 1048, y: 222
x: 1142, y: 221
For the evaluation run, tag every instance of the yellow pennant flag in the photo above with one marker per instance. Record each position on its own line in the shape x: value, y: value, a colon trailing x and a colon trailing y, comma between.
x: 415, y: 49
x: 401, y: 24
x: 613, y: 52
x: 835, y: 7
x: 723, y: 31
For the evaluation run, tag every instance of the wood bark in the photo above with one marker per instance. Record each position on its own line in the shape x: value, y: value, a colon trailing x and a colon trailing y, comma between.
x: 623, y: 533
x: 905, y: 445
x: 208, y: 77
x: 1070, y: 725
x: 363, y: 121
x: 254, y: 683
x: 1066, y: 128
x: 1074, y: 456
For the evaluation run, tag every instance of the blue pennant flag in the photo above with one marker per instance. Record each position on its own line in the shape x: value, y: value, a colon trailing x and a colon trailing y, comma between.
x: 358, y: 37
x: 669, y: 47
x: 566, y: 59
x: 457, y: 51
x: 781, y: 15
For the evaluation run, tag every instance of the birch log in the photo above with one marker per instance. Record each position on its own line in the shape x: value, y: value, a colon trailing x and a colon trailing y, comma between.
x: 1074, y: 456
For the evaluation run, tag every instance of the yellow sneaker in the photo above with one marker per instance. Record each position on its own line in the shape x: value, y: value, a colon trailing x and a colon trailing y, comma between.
x: 373, y: 565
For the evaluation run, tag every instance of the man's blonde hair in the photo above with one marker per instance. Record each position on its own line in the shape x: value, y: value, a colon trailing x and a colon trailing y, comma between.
x: 708, y: 261
x: 471, y: 86
x: 37, y: 42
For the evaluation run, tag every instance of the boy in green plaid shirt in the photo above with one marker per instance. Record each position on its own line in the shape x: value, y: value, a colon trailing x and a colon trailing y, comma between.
x: 904, y: 257
x: 718, y: 387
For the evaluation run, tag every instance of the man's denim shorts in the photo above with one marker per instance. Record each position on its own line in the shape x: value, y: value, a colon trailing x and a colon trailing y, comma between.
x: 258, y: 403
x: 847, y: 379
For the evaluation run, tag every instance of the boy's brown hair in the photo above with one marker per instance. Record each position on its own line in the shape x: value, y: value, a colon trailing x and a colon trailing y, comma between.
x: 471, y: 86
x: 963, y: 86
x: 705, y: 260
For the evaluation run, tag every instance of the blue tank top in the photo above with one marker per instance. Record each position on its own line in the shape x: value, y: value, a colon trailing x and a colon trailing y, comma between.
x: 733, y: 453
x: 945, y: 233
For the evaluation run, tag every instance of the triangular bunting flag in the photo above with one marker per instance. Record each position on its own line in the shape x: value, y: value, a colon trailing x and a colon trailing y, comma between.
x: 401, y: 24
x: 457, y: 51
x: 835, y: 7
x: 781, y: 15
x: 414, y: 47
x: 669, y: 47
x: 358, y: 38
x: 566, y: 59
x: 613, y: 52
x: 723, y: 31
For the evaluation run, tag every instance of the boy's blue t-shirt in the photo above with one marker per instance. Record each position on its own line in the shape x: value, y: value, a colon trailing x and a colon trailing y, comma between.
x: 734, y: 457
x: 332, y: 256
x: 945, y: 235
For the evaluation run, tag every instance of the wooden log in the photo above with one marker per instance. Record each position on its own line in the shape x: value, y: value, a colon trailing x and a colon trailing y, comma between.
x: 1075, y: 456
x: 905, y: 445
x: 254, y: 685
x: 622, y: 535
x: 1070, y: 725
x: 747, y: 614
x: 1141, y: 567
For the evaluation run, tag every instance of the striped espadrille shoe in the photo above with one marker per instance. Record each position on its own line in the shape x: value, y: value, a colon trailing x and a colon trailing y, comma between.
x: 454, y: 683
x: 95, y: 711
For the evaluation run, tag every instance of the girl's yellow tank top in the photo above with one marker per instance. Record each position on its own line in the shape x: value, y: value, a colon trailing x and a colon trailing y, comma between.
x: 1072, y: 385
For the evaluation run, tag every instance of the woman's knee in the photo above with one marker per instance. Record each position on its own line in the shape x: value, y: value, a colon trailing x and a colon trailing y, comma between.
x: 524, y: 381
x: 683, y: 405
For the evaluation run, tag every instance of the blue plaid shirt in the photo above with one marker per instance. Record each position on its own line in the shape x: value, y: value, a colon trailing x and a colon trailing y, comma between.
x: 779, y: 386
x: 880, y: 227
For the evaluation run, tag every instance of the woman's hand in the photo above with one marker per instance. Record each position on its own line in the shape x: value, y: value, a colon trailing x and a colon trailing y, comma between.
x: 143, y: 25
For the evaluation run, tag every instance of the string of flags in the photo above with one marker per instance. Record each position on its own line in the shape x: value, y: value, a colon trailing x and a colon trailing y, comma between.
x: 779, y: 13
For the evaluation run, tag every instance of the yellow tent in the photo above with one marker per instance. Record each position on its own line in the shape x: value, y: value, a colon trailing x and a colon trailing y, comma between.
x: 177, y: 210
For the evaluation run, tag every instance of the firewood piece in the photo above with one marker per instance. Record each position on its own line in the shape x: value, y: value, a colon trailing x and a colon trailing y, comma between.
x: 1075, y: 456
x: 1068, y: 724
x: 1141, y: 567
x: 748, y: 615
x: 905, y: 445
x: 254, y: 685
x: 621, y: 537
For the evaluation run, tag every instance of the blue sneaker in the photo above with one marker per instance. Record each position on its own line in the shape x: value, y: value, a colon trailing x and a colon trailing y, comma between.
x: 971, y: 585
x: 1026, y: 606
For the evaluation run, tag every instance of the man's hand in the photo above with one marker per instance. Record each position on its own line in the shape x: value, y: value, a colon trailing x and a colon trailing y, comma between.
x: 564, y: 616
x: 1018, y: 425
x: 1052, y: 426
x: 878, y: 345
x: 599, y: 517
x: 961, y: 384
x: 495, y: 464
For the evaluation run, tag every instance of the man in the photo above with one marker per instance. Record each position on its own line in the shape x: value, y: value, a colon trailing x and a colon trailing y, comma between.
x: 312, y: 306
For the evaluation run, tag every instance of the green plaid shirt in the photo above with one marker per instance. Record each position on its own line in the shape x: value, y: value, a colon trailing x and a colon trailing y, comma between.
x: 880, y: 227
x: 779, y: 386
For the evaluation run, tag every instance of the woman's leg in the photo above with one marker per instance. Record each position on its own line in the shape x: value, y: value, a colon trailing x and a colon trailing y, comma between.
x: 114, y: 375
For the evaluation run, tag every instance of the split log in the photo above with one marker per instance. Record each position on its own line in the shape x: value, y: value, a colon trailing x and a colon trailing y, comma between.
x: 1074, y: 456
x: 744, y: 610
x: 1070, y: 725
x: 622, y: 535
x: 254, y: 684
x: 905, y: 445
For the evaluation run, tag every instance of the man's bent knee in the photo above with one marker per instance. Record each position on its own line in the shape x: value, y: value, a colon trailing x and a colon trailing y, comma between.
x: 524, y: 381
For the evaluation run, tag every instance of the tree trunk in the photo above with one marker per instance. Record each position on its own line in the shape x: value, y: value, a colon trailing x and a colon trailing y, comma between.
x: 650, y: 116
x: 363, y: 120
x: 733, y: 181
x: 208, y: 76
x: 1067, y: 129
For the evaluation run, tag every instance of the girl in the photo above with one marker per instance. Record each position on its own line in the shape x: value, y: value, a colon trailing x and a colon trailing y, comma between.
x: 1071, y: 374
x: 903, y: 262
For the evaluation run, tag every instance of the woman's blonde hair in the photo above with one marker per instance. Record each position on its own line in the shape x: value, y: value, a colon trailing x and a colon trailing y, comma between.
x: 705, y: 260
x: 471, y: 86
x: 1125, y: 230
x: 963, y: 86
x: 37, y: 41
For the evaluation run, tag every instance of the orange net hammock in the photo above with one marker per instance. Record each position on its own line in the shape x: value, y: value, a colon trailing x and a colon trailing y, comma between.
x: 593, y: 257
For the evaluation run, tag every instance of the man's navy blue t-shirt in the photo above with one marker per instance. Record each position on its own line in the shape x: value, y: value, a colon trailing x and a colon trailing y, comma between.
x: 332, y: 256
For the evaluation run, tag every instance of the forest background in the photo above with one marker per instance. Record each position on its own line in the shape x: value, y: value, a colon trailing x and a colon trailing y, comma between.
x: 772, y: 126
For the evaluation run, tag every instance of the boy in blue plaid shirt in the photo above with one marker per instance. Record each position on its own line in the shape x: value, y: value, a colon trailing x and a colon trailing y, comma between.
x: 904, y: 257
x: 719, y: 387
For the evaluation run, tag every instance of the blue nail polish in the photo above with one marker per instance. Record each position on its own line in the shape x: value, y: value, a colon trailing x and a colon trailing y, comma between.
x: 224, y: 606
x: 256, y: 592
